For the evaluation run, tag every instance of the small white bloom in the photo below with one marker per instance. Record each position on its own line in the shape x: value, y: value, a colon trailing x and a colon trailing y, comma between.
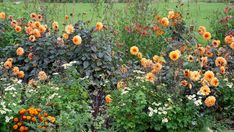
x: 47, y: 34
x: 150, y: 108
x: 164, y: 112
x: 168, y: 108
x: 52, y: 96
x: 7, y: 119
x: 20, y: 81
x: 169, y: 99
x: 160, y: 108
x: 66, y: 65
x: 189, y: 98
x: 230, y: 85
x: 151, y: 113
x: 138, y: 71
x: 3, y: 103
x: 2, y: 112
x: 193, y: 95
x: 199, y: 93
x: 55, y: 73
x: 198, y: 102
x: 125, y: 90
x: 155, y: 111
x: 158, y: 104
x: 164, y: 120
x: 73, y: 62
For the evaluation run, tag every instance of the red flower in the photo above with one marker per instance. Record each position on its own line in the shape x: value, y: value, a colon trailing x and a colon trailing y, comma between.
x: 128, y: 29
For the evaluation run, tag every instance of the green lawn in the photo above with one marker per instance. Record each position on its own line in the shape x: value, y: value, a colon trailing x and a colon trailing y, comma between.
x: 194, y: 13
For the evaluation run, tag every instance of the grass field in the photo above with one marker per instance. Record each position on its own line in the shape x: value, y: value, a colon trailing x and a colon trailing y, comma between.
x: 194, y: 13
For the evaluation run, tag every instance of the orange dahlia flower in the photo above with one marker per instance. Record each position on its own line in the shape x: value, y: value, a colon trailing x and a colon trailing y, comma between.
x: 20, y: 51
x: 99, y: 26
x: 174, y: 55
x: 210, y: 101
x: 208, y: 75
x: 220, y: 61
x: 134, y: 50
x: 205, y: 90
x: 77, y: 40
x: 207, y: 36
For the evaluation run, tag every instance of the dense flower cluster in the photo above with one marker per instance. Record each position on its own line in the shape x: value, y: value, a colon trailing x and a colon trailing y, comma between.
x: 185, y: 77
x: 32, y: 115
x: 29, y: 62
x: 211, y: 54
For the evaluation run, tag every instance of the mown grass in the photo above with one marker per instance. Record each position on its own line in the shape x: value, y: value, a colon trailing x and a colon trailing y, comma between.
x: 195, y: 13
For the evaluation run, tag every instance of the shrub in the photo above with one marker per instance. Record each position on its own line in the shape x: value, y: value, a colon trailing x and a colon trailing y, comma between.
x: 194, y: 71
x: 141, y: 107
x: 44, y: 51
x: 225, y: 114
x: 129, y: 108
x: 94, y: 55
x: 223, y: 23
x: 152, y: 33
x: 63, y: 97
x: 10, y: 97
x: 8, y: 35
x: 66, y: 96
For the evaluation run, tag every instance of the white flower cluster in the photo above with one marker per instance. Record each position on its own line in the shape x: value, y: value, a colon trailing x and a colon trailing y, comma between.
x: 140, y: 75
x: 138, y: 72
x: 228, y: 83
x: 125, y: 90
x: 67, y: 65
x: 197, y: 101
x: 9, y: 99
x: 16, y: 80
x: 4, y: 111
x: 160, y: 109
x: 54, y: 88
x: 3, y: 108
x: 53, y: 95
x: 32, y: 91
x: 10, y: 90
x: 1, y: 65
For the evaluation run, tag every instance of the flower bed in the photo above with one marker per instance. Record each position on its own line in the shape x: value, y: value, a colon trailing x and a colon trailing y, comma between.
x: 103, y: 79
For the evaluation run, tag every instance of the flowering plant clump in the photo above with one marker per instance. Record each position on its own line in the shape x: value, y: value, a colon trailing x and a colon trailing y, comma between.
x: 9, y: 33
x: 94, y: 55
x: 139, y: 105
x: 61, y: 97
x: 153, y: 36
x: 162, y: 74
x: 223, y: 23
x: 194, y: 71
x: 43, y: 52
x: 32, y: 119
x: 29, y: 57
x: 211, y: 58
x: 10, y: 98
